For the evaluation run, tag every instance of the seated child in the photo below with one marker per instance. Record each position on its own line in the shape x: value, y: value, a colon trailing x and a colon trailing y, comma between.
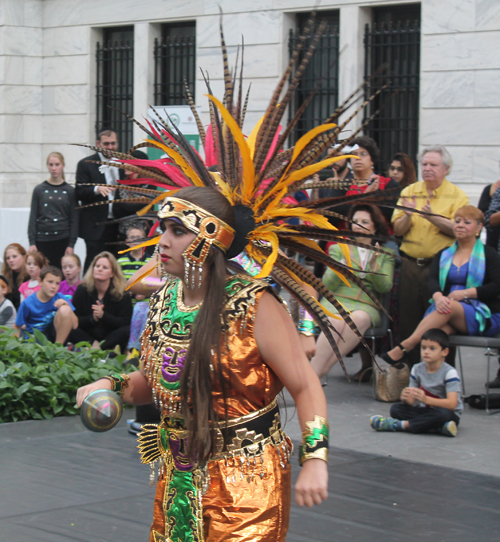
x: 7, y: 309
x: 34, y: 263
x: 71, y: 267
x: 47, y: 310
x: 433, y: 400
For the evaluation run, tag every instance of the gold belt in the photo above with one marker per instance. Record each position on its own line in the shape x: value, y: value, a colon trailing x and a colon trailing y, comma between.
x: 240, y: 442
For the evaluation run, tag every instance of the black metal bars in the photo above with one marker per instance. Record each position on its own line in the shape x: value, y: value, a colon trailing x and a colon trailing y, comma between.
x: 175, y: 61
x: 322, y: 64
x: 397, y: 46
x: 115, y: 84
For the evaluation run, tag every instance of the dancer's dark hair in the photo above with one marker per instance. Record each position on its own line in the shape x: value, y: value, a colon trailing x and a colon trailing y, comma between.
x: 196, y: 381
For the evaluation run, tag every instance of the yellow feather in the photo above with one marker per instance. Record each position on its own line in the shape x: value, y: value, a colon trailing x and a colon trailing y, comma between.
x: 246, y: 158
x: 152, y: 241
x: 180, y: 161
x: 308, y: 215
x: 330, y: 314
x: 272, y: 238
x: 252, y: 138
x: 159, y: 198
x: 307, y: 242
x: 306, y: 139
x: 140, y: 277
x: 304, y: 172
x: 347, y: 253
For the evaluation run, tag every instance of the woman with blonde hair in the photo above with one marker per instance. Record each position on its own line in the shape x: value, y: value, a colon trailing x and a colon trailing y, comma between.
x: 103, y: 308
x: 53, y: 222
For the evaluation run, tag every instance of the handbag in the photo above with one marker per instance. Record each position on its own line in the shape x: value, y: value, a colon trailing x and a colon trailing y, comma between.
x: 390, y: 381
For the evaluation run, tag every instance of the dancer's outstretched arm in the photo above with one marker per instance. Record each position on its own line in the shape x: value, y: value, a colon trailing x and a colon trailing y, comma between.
x: 280, y: 348
x: 137, y: 392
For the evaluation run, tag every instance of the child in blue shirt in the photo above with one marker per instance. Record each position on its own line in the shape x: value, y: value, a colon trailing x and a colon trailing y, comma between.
x: 47, y: 310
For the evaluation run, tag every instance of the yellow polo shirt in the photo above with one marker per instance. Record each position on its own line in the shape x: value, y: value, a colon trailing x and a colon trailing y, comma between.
x: 423, y: 239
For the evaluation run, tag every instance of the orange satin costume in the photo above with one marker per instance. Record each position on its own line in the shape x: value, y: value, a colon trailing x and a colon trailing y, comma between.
x: 244, y: 493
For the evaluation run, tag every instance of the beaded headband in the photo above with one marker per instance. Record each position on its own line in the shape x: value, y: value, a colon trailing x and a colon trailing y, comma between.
x: 209, y: 230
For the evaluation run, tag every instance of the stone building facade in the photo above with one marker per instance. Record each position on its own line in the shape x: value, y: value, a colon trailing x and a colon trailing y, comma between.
x: 48, y: 73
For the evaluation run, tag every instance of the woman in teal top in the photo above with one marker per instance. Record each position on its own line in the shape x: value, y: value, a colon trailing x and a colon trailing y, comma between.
x: 364, y: 312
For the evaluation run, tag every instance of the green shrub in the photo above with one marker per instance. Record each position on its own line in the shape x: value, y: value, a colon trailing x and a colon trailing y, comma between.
x: 38, y: 379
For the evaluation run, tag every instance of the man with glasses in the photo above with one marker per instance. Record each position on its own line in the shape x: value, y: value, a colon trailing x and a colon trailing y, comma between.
x: 96, y: 227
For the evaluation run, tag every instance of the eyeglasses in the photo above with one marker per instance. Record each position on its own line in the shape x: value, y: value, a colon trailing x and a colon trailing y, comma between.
x: 361, y: 153
x: 394, y: 168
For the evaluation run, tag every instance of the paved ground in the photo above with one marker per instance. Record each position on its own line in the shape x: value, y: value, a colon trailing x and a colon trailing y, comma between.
x: 59, y: 482
x: 350, y: 406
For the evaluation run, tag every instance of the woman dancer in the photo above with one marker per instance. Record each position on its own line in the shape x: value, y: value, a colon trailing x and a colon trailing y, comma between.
x: 204, y: 371
x: 218, y: 346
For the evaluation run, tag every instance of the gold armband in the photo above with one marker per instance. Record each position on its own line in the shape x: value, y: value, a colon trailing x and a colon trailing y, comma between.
x: 119, y: 383
x: 314, y: 440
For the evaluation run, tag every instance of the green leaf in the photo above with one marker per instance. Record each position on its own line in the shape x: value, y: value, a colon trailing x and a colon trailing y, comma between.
x: 40, y: 337
x: 25, y: 387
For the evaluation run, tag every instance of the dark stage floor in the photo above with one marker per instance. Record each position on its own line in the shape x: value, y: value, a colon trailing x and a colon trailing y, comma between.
x: 59, y: 483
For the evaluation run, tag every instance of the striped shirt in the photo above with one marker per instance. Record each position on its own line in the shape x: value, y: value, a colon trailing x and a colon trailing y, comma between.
x: 437, y: 384
x: 129, y: 266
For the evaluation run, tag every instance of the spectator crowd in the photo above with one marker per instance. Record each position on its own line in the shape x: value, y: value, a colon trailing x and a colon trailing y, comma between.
x: 428, y: 268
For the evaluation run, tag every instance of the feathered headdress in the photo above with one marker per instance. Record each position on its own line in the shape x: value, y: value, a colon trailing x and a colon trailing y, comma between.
x: 259, y: 179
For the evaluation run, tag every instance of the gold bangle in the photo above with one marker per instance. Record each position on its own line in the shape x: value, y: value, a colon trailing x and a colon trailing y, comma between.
x: 119, y: 383
x: 314, y: 440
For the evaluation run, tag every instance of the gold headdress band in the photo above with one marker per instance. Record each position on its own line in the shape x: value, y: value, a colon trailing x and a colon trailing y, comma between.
x: 209, y: 230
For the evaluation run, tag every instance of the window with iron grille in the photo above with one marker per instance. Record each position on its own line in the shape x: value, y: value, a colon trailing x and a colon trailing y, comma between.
x: 322, y: 64
x: 393, y: 41
x: 115, y: 83
x: 175, y: 62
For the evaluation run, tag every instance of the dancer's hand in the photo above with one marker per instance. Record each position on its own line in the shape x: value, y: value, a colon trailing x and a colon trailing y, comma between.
x: 81, y: 394
x: 312, y: 485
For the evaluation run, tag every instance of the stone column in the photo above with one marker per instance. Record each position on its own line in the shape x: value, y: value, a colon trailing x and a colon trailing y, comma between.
x: 144, y: 36
x: 20, y: 101
x: 352, y: 59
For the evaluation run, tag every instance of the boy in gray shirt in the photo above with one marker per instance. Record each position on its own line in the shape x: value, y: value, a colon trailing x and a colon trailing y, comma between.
x: 432, y: 402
